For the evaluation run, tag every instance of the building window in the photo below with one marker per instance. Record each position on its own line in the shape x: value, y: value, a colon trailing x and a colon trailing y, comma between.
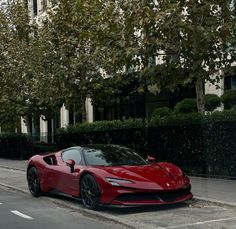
x: 230, y: 82
x: 233, y: 82
x: 35, y: 7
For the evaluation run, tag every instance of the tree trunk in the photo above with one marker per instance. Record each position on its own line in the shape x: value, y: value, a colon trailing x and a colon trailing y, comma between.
x: 200, y: 95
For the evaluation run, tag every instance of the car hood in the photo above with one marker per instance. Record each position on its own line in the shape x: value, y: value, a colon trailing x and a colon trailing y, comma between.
x: 153, y: 176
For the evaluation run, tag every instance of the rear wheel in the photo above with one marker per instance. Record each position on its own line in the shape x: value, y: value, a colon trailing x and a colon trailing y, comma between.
x: 33, y: 182
x: 89, y: 192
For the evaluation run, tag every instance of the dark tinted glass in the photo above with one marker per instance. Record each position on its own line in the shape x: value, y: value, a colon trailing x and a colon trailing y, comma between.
x: 112, y: 156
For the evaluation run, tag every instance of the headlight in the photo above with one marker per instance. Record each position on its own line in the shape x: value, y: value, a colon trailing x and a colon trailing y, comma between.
x: 117, y: 181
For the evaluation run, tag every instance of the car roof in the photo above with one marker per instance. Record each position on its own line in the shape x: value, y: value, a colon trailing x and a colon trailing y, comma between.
x: 103, y: 145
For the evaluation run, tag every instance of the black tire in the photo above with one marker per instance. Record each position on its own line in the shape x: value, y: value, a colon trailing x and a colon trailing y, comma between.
x: 89, y: 192
x: 33, y: 182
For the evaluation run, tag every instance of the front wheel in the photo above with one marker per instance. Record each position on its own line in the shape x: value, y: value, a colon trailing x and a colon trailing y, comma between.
x: 33, y: 182
x: 89, y: 192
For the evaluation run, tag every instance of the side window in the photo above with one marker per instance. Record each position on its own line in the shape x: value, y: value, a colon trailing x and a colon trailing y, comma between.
x: 73, y: 154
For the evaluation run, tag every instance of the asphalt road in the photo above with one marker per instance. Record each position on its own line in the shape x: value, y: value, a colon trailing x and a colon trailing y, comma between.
x: 20, y: 211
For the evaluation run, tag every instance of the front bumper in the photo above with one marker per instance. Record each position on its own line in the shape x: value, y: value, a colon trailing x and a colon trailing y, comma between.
x: 128, y: 197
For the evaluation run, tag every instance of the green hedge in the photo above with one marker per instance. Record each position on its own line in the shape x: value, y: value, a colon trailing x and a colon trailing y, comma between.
x: 229, y: 99
x: 42, y: 147
x: 160, y: 113
x: 212, y: 101
x: 15, y: 146
x: 201, y: 144
x: 130, y: 132
x: 180, y: 119
x: 186, y: 106
x: 209, y: 148
x: 102, y: 126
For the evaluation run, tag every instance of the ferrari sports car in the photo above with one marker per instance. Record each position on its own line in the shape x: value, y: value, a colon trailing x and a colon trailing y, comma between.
x: 107, y: 175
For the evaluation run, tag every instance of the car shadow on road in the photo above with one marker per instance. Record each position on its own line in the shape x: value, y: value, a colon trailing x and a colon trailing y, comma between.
x: 64, y: 197
x: 120, y: 210
x: 142, y: 209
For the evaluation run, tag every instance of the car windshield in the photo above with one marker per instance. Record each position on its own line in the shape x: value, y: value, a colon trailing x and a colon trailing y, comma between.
x: 112, y: 156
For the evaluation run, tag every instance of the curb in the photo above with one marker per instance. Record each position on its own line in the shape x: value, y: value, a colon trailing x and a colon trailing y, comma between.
x: 13, y: 188
x: 16, y: 169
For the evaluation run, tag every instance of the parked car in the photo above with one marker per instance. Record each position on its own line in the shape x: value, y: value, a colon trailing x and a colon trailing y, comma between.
x: 107, y: 175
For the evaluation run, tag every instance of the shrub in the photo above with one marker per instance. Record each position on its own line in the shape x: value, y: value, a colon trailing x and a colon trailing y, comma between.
x: 103, y: 126
x: 115, y: 132
x: 161, y: 112
x: 220, y: 116
x: 204, y: 148
x: 188, y: 105
x: 42, y: 147
x: 229, y: 99
x: 181, y: 119
x: 212, y: 101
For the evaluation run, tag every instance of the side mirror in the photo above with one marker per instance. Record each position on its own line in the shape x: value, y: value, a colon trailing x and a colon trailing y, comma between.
x: 71, y: 164
x: 151, y: 159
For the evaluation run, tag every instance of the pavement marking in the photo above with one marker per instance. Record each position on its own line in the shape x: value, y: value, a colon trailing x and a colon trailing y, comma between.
x: 199, y: 223
x: 0, y: 203
x: 21, y: 215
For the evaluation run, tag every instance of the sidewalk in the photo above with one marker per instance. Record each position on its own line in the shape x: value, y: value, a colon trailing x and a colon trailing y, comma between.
x: 209, y: 189
x: 13, y: 164
x: 215, y: 190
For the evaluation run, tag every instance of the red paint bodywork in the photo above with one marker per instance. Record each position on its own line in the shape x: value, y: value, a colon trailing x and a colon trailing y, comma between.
x: 152, y: 179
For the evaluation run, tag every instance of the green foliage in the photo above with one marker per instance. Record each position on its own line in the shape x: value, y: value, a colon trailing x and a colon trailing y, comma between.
x: 199, y: 143
x: 180, y: 119
x: 229, y: 99
x: 191, y: 39
x: 160, y: 112
x: 42, y: 147
x: 103, y: 126
x: 79, y: 43
x: 129, y: 132
x: 22, y: 63
x: 212, y: 101
x: 220, y: 116
x: 187, y: 105
x: 199, y: 149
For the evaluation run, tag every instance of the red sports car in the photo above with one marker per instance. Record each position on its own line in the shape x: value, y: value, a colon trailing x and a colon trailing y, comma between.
x: 107, y: 175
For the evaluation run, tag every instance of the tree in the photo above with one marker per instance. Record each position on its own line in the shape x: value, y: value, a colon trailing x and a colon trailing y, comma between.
x: 71, y: 53
x: 201, y: 37
x: 194, y: 41
x: 23, y: 88
x: 14, y: 40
